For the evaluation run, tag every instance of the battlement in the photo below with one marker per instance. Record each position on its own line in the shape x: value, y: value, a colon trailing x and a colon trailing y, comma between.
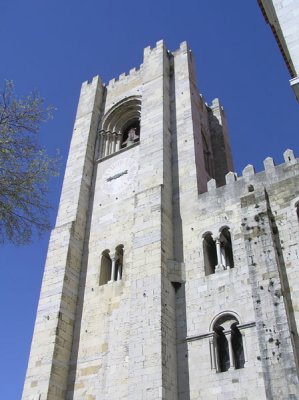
x: 250, y: 179
x: 160, y: 45
x: 92, y: 82
x: 133, y: 73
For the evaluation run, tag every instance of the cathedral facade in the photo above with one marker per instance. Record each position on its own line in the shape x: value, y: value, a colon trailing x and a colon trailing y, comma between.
x: 167, y: 275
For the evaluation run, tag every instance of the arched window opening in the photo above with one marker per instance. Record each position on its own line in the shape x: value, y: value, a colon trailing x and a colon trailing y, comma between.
x: 210, y: 253
x: 237, y: 346
x: 222, y: 350
x: 131, y: 134
x: 226, y: 251
x: 227, y: 344
x: 112, y: 265
x: 120, y: 126
x: 119, y: 253
x: 106, y: 267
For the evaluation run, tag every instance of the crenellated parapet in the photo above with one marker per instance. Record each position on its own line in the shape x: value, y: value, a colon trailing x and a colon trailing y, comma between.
x: 250, y: 179
x: 125, y: 77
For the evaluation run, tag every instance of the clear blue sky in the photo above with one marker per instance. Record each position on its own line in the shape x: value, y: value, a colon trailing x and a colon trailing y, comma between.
x: 54, y: 45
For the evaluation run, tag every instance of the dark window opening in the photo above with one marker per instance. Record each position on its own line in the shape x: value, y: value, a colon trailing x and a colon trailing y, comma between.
x: 237, y: 347
x: 106, y: 266
x: 119, y: 255
x: 227, y: 344
x: 131, y: 134
x: 222, y: 350
x: 210, y: 254
x: 111, y: 265
x: 226, y: 249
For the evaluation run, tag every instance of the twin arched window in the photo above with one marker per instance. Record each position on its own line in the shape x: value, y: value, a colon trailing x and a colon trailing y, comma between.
x: 227, y: 344
x: 111, y: 265
x: 217, y: 250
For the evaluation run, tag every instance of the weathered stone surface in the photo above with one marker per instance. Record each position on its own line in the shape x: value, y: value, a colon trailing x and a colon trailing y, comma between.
x: 128, y: 306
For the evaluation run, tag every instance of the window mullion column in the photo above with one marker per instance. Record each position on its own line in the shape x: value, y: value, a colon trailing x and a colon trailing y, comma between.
x: 230, y: 350
x: 113, y: 259
x: 213, y: 355
x: 218, y: 250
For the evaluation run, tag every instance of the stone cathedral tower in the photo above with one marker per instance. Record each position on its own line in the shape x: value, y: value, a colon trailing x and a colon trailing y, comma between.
x: 167, y: 276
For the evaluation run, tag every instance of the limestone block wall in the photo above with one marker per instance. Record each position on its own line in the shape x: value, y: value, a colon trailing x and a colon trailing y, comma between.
x: 220, y: 144
x: 261, y: 289
x: 125, y: 337
x: 288, y: 16
x: 283, y: 17
x: 125, y: 330
x: 48, y: 367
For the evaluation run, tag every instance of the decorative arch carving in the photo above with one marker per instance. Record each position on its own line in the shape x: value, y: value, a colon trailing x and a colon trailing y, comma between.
x: 223, y: 316
x: 120, y: 126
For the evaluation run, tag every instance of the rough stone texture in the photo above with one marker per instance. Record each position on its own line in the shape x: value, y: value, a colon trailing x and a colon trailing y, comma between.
x: 150, y: 334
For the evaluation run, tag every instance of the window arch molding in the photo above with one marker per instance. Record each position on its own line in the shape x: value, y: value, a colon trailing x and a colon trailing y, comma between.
x: 123, y: 115
x: 221, y: 316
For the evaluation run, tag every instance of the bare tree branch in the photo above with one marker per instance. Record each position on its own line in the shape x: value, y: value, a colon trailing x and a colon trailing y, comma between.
x: 25, y: 167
